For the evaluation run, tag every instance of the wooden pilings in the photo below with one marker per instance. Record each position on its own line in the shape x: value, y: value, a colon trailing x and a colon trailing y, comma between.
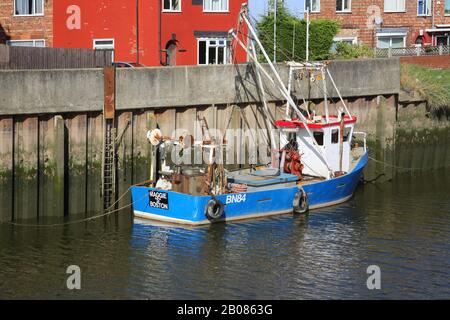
x: 6, y: 168
x: 51, y: 165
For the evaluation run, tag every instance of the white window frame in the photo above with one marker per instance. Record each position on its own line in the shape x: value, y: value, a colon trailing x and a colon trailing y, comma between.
x: 220, y: 11
x: 208, y: 40
x: 391, y: 35
x: 354, y: 39
x: 428, y: 7
x: 310, y: 10
x: 345, y: 10
x: 104, y: 46
x: 398, y: 9
x: 171, y: 5
x: 34, y: 9
x: 9, y: 42
x: 446, y: 3
x: 442, y: 36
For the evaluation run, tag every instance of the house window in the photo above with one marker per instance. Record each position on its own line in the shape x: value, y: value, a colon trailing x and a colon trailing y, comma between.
x: 313, y: 5
x: 212, y: 51
x: 26, y: 43
x: 171, y: 5
x: 349, y: 40
x: 343, y: 5
x: 423, y: 7
x: 443, y: 40
x: 385, y: 42
x: 215, y: 5
x: 104, y: 44
x: 394, y: 6
x: 447, y: 7
x: 28, y: 7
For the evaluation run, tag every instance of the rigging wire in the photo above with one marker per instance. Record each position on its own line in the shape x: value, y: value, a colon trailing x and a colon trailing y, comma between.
x: 400, y: 167
x: 107, y: 212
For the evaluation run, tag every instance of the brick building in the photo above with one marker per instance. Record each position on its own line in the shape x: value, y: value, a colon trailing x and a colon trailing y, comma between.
x: 26, y: 22
x: 387, y: 23
x: 151, y: 32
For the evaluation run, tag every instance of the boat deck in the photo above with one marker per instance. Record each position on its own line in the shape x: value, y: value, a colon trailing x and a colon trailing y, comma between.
x: 356, y: 155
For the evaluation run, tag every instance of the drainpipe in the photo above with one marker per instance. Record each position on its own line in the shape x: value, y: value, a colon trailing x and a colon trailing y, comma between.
x: 432, y: 14
x: 159, y: 34
x: 137, y: 31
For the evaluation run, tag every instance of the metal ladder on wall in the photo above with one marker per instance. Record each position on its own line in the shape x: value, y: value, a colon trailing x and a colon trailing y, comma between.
x: 109, y: 165
x: 109, y: 140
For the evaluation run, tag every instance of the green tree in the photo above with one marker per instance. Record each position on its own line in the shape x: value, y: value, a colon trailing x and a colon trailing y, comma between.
x: 291, y: 36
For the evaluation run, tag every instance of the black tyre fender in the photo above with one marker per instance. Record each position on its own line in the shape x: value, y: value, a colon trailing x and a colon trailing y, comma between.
x: 300, y: 203
x: 214, y: 209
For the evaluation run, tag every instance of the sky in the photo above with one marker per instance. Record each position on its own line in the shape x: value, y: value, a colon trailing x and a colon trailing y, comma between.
x: 258, y: 7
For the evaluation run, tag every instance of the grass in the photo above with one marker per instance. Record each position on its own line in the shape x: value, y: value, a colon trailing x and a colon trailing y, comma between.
x: 431, y: 85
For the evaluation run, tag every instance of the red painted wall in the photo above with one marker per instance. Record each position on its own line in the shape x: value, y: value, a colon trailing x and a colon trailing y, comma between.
x: 108, y: 19
x: 117, y: 19
x: 192, y: 18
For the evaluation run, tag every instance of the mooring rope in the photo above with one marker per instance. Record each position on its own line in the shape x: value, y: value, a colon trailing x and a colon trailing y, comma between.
x: 399, y: 167
x: 107, y: 212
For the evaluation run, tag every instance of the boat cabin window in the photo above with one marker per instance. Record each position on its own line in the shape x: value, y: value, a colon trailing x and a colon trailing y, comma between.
x: 335, y: 136
x: 347, y: 132
x: 292, y: 141
x: 292, y: 136
x: 318, y: 135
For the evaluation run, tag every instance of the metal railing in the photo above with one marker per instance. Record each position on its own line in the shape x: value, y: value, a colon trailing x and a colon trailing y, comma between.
x: 364, y: 136
x: 412, y: 51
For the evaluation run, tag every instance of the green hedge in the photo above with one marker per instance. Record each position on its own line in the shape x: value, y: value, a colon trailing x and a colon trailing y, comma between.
x: 352, y: 51
x: 322, y: 33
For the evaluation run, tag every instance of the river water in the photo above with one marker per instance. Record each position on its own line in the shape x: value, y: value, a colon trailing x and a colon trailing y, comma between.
x: 402, y: 226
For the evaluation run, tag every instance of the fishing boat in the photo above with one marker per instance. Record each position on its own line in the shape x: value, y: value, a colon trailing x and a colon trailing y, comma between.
x: 316, y: 160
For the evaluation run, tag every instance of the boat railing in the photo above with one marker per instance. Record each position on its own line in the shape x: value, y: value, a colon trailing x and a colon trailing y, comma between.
x: 364, y: 135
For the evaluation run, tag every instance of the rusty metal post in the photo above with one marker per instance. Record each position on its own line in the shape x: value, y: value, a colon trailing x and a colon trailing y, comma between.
x: 109, y: 140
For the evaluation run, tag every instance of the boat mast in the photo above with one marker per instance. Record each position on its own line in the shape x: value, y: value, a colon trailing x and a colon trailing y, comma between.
x: 307, y: 34
x: 325, y: 94
x: 275, y: 31
x: 278, y: 83
x: 267, y: 117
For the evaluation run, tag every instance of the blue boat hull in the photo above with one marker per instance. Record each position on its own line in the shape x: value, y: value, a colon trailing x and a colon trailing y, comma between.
x: 174, y: 207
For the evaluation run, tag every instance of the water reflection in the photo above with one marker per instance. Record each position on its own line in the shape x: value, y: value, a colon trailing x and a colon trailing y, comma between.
x: 403, y: 227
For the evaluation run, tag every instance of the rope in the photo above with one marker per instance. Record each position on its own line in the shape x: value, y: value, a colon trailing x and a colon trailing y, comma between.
x: 399, y: 167
x: 107, y: 212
